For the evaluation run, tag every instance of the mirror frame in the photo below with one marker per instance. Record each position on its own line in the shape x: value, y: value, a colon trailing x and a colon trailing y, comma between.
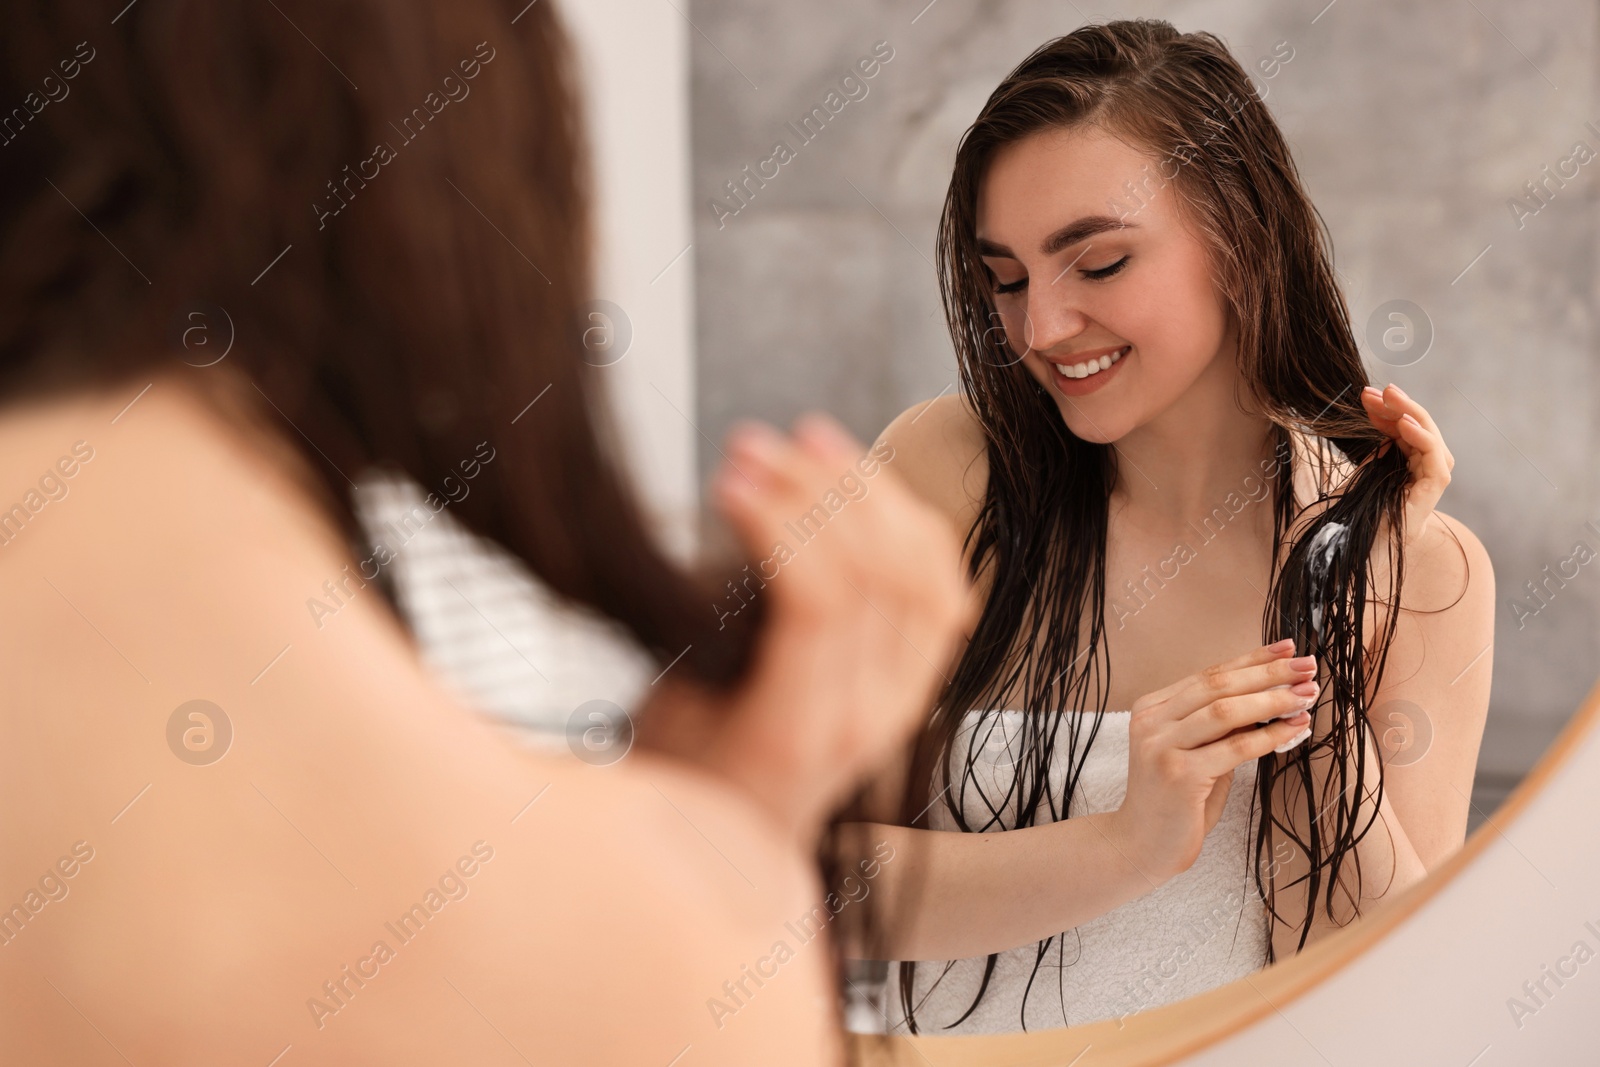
x: 1173, y: 1032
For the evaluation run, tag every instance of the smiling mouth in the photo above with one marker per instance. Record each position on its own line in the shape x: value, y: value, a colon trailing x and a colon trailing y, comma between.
x: 1091, y: 367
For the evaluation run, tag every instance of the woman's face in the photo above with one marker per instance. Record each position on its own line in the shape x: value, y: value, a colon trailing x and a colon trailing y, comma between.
x: 1086, y: 267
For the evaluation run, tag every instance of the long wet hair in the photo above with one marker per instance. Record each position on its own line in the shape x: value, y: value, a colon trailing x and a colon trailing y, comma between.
x: 191, y: 171
x: 210, y: 170
x: 1042, y: 526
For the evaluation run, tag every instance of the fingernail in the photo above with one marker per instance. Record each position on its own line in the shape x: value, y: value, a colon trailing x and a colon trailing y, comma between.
x: 1293, y: 741
x: 1303, y: 663
x: 824, y: 428
x: 1281, y: 646
x: 1307, y: 688
x: 730, y: 479
x: 756, y: 438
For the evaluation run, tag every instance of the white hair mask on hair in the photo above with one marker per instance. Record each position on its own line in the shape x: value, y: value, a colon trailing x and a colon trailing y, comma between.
x: 1319, y: 560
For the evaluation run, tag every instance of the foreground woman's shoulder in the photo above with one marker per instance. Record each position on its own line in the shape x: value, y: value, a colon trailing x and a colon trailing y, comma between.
x: 938, y: 447
x: 673, y: 890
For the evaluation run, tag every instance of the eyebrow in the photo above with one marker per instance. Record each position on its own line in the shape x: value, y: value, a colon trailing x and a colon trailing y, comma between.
x: 1065, y: 237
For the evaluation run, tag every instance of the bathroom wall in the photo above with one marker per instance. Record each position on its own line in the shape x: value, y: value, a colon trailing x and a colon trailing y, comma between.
x: 634, y: 59
x: 1417, y: 127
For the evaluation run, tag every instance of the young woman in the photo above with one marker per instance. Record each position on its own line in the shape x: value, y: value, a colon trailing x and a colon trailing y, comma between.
x: 1164, y: 453
x: 235, y: 828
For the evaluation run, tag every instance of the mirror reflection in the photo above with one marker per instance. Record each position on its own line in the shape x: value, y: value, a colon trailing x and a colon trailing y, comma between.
x: 1189, y: 513
x: 1132, y: 379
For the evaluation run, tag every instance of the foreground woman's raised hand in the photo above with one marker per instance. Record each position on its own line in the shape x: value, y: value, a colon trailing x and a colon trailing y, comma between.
x: 864, y: 617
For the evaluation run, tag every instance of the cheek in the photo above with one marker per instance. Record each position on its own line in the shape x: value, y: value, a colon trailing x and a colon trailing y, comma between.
x: 1010, y: 328
x: 1177, y: 323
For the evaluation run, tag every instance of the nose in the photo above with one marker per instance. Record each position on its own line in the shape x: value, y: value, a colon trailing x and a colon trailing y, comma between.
x: 1052, y: 318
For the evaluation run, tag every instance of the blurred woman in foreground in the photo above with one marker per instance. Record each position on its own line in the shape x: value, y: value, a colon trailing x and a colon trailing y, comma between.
x: 235, y: 828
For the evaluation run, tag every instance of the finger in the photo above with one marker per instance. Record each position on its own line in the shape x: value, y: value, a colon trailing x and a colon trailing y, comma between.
x: 1426, y: 455
x: 748, y: 500
x: 837, y: 458
x: 1396, y: 399
x: 1222, y: 757
x: 1385, y: 420
x: 1387, y: 407
x: 1379, y: 412
x: 1294, y: 691
x: 744, y: 454
x: 1409, y: 423
x: 797, y: 482
x: 1390, y: 409
x: 762, y: 452
x: 1430, y: 474
x: 826, y: 438
x: 1429, y: 444
x: 765, y: 482
x: 818, y: 454
x: 865, y: 581
x: 1421, y: 438
x: 1259, y: 654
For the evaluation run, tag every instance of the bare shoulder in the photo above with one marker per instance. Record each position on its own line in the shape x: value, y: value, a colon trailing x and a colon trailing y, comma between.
x: 938, y: 447
x: 1447, y: 604
x: 685, y: 878
x: 1449, y: 561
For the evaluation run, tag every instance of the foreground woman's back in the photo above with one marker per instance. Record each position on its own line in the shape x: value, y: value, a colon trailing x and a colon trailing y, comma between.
x: 366, y: 874
x: 237, y: 829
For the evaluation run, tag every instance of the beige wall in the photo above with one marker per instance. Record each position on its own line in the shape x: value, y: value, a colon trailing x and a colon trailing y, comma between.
x: 636, y: 87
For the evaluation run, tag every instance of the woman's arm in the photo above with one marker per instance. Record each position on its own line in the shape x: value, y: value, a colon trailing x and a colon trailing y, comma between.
x: 1428, y: 715
x: 996, y: 891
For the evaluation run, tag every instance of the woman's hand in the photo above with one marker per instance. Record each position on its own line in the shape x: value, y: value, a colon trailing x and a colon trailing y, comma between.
x: 1409, y: 424
x: 863, y: 619
x: 1185, y: 741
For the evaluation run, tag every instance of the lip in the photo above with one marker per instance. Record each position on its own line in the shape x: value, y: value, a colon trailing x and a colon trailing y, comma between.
x: 1083, y: 386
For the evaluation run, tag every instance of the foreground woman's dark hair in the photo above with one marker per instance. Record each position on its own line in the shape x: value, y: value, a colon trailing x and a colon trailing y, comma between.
x: 427, y: 290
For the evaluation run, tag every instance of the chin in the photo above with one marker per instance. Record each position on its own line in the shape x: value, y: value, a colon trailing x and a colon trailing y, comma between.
x: 1106, y: 427
x: 1097, y: 432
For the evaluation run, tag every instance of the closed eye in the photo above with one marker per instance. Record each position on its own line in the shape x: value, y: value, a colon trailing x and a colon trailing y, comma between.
x: 1106, y: 272
x: 996, y: 287
x: 1099, y: 274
